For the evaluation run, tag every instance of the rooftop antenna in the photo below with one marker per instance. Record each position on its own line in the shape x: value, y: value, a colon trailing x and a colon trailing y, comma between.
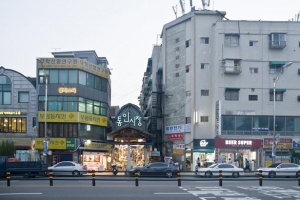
x: 191, y: 4
x: 55, y: 49
x: 175, y: 10
x: 182, y: 5
x: 205, y: 3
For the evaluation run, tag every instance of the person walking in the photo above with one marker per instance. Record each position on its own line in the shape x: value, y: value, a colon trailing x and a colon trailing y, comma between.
x: 229, y: 161
x: 236, y: 163
x: 198, y: 162
x: 247, y: 165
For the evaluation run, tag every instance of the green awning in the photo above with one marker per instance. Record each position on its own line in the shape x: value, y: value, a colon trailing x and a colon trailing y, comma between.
x: 229, y: 88
x: 204, y: 150
x: 297, y: 150
x: 277, y: 90
x: 277, y: 63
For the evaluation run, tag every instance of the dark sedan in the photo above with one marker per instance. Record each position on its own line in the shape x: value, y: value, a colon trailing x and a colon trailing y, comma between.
x: 156, y: 169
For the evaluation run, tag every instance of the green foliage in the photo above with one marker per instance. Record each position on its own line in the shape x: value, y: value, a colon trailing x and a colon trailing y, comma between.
x: 7, y: 148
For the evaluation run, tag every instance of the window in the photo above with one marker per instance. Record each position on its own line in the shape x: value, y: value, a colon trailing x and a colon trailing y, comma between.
x: 177, y: 74
x: 177, y: 49
x: 90, y: 80
x: 204, y: 92
x: 53, y: 76
x: 5, y: 90
x: 204, y: 66
x: 63, y: 76
x: 23, y: 97
x: 177, y: 57
x: 253, y: 70
x: 204, y: 40
x: 73, y: 76
x: 82, y: 78
x: 275, y: 68
x: 177, y: 65
x: 187, y: 68
x: 278, y: 96
x: 231, y: 40
x: 253, y: 43
x: 176, y: 40
x: 204, y: 119
x: 299, y: 44
x: 253, y: 98
x: 188, y: 120
x: 277, y: 40
x: 13, y: 125
x: 232, y: 94
x: 187, y: 43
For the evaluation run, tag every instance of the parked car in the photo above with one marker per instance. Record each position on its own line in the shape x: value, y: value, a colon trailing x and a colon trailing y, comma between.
x: 227, y: 170
x: 68, y: 168
x: 156, y: 169
x: 279, y: 169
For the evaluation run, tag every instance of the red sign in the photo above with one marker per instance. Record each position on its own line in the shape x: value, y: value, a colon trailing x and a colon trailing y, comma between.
x: 238, y: 143
x: 175, y: 136
x: 284, y: 143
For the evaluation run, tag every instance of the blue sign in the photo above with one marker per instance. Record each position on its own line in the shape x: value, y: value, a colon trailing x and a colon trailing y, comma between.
x: 296, y: 144
x: 45, y: 147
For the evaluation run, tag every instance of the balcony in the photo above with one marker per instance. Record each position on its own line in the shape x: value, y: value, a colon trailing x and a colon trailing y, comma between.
x: 277, y: 44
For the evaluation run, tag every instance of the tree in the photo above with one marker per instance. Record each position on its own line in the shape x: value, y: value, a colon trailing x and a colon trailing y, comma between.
x: 7, y: 148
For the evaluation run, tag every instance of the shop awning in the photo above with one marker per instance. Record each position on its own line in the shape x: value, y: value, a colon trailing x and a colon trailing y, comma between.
x: 297, y: 150
x: 232, y: 88
x: 204, y: 150
x: 277, y: 90
x: 277, y: 63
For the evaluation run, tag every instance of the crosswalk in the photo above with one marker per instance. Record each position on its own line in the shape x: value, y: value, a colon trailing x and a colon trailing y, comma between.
x: 244, y: 193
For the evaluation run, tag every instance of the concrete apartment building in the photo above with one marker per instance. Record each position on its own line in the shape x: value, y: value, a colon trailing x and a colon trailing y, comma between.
x: 217, y: 89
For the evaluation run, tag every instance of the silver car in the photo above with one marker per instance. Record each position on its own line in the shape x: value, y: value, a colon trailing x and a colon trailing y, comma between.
x: 227, y: 170
x: 279, y: 169
x: 68, y: 168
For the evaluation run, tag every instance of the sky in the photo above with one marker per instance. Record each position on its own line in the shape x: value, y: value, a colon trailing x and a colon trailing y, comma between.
x: 123, y: 31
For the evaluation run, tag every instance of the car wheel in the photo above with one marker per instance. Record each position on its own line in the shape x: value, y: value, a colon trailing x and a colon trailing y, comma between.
x: 169, y: 174
x: 75, y: 173
x: 272, y: 174
x: 208, y: 174
x: 235, y: 174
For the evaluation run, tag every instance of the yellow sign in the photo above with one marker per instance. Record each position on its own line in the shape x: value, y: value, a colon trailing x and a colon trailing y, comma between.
x: 73, y: 117
x: 73, y: 63
x: 177, y: 152
x: 54, y: 143
x: 67, y: 90
x: 10, y: 113
x: 97, y: 145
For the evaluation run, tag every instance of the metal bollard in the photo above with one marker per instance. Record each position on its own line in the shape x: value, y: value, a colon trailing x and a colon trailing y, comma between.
x: 93, y: 178
x: 260, y: 177
x: 8, y: 177
x: 51, y: 177
x: 136, y: 179
x: 179, y: 179
x: 299, y: 178
x: 220, y: 178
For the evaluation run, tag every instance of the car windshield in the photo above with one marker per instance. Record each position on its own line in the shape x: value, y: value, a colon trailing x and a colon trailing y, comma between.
x: 274, y: 165
x: 213, y: 166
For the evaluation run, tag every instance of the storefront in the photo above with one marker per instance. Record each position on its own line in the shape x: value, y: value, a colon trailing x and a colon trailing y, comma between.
x: 239, y: 150
x: 283, y: 150
x: 204, y: 149
x: 296, y: 151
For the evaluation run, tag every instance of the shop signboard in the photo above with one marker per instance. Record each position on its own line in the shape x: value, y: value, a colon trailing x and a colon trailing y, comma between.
x: 181, y: 128
x: 56, y: 143
x: 175, y: 136
x: 238, y: 143
x: 284, y: 143
x: 203, y: 143
x: 178, y: 146
x: 296, y: 143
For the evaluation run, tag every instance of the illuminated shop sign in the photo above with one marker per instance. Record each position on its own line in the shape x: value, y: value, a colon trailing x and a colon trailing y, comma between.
x: 284, y: 143
x: 11, y: 113
x: 131, y: 119
x: 181, y: 128
x: 175, y: 136
x: 203, y: 143
x: 238, y: 143
x: 67, y: 90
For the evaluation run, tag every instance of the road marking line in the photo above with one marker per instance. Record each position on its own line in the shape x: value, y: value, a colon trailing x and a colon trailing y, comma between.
x: 160, y: 193
x: 4, y: 194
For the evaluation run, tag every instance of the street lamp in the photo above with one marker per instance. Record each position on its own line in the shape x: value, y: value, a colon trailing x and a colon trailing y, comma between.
x: 275, y: 80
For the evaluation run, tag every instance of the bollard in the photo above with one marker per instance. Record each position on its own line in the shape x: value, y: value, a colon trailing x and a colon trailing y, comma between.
x: 136, y: 179
x: 179, y: 179
x: 299, y: 178
x: 220, y: 178
x: 93, y: 178
x: 8, y: 178
x: 51, y: 177
x: 260, y: 177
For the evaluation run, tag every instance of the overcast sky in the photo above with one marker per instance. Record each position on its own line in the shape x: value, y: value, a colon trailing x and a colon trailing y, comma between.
x: 123, y: 31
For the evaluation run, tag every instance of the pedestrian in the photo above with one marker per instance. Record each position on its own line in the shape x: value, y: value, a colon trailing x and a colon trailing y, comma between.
x: 198, y: 162
x: 247, y: 165
x: 229, y: 161
x: 236, y: 163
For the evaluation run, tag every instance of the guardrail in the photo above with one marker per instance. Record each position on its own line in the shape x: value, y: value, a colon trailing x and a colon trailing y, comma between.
x: 129, y: 177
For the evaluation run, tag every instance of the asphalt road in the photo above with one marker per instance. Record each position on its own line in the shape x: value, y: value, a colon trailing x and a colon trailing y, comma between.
x: 124, y: 188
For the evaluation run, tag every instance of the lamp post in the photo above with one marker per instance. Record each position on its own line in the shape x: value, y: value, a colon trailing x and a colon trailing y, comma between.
x: 275, y: 80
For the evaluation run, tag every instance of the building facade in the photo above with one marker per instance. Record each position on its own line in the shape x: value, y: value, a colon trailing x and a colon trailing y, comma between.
x: 74, y: 99
x: 18, y: 116
x: 218, y: 76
